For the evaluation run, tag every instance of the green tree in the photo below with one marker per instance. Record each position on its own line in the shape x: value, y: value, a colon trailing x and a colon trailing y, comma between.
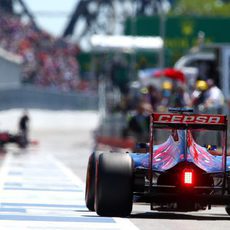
x: 201, y: 8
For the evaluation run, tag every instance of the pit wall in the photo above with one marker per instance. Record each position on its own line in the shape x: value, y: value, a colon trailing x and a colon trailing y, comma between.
x: 32, y: 97
x: 10, y: 69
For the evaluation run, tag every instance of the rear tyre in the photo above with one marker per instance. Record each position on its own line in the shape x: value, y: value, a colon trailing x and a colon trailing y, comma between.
x: 227, y: 209
x: 90, y: 181
x: 114, y: 185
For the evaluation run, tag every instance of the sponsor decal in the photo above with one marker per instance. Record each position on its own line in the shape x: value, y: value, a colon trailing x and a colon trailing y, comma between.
x: 189, y: 119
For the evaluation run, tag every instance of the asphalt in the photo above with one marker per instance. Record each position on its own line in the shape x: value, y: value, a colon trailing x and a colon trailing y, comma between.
x: 43, y: 187
x: 39, y: 192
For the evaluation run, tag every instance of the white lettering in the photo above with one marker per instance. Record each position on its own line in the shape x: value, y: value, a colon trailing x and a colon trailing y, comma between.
x: 201, y: 119
x: 176, y: 119
x: 164, y: 118
x: 213, y: 119
x: 188, y: 119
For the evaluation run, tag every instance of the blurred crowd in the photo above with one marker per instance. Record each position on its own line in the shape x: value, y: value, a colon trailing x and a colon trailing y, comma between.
x: 204, y: 97
x: 47, y: 61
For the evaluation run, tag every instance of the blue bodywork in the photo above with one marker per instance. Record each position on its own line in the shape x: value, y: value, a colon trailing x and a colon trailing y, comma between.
x: 174, y: 151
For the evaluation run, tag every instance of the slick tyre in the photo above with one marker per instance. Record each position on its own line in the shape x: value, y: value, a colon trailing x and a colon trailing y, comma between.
x: 227, y: 209
x: 114, y: 185
x: 90, y: 181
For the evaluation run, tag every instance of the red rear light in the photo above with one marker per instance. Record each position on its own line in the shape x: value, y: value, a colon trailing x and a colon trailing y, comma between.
x: 188, y: 176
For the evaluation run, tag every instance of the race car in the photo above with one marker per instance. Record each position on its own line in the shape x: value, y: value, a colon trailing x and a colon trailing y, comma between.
x: 18, y: 139
x: 176, y: 175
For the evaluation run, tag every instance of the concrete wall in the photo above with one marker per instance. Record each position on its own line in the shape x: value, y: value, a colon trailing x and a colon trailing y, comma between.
x: 10, y: 69
x: 32, y: 97
x: 15, y: 95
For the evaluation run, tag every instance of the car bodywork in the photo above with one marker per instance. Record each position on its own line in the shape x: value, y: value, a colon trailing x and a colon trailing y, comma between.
x: 168, y: 154
x: 177, y: 175
x: 7, y: 138
x: 180, y: 153
x: 181, y: 146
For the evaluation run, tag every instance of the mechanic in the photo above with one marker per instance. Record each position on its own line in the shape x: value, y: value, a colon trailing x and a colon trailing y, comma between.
x: 152, y: 96
x: 179, y: 97
x: 167, y: 88
x: 214, y: 97
x: 199, y: 95
x: 138, y: 125
x: 24, y: 127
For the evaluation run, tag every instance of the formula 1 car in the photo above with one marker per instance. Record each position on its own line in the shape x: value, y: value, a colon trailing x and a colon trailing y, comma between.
x: 18, y: 139
x: 177, y: 175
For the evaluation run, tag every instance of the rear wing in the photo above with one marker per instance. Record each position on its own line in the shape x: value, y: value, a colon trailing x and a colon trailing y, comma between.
x: 184, y: 120
x: 188, y: 121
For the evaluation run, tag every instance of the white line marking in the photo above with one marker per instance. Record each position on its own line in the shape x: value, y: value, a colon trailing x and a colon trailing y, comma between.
x: 23, y: 170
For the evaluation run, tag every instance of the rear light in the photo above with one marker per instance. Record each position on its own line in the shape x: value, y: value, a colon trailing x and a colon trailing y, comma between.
x: 188, y: 177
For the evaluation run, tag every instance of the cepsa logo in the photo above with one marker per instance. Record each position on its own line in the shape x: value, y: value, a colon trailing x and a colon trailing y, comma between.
x: 188, y: 119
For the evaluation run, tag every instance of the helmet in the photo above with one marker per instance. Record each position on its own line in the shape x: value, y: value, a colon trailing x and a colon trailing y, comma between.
x: 167, y: 85
x: 201, y: 85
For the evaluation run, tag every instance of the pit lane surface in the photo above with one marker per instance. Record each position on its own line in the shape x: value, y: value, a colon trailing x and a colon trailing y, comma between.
x: 67, y: 137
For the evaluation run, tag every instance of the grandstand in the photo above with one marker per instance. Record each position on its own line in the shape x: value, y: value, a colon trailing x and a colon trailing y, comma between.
x: 32, y: 60
x: 47, y: 61
x: 52, y: 63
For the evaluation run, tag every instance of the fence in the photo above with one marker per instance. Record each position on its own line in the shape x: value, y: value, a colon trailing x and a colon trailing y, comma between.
x: 32, y: 97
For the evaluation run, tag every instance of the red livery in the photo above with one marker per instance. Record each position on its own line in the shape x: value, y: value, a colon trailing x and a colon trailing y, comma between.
x: 189, y: 119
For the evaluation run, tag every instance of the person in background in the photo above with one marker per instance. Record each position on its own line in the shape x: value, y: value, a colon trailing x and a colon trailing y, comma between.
x: 214, y: 97
x: 199, y: 95
x: 138, y: 124
x: 151, y: 95
x: 180, y: 97
x: 167, y: 89
x: 24, y: 128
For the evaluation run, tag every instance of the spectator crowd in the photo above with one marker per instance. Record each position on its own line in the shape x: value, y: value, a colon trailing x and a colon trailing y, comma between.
x: 206, y: 97
x: 47, y: 61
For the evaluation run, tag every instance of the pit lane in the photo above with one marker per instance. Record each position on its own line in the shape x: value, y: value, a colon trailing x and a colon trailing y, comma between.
x: 67, y: 137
